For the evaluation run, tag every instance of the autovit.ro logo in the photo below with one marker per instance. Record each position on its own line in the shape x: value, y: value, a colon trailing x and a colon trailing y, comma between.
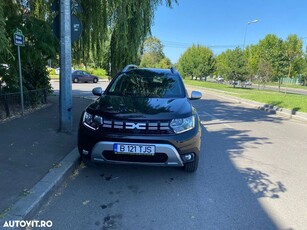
x: 27, y: 223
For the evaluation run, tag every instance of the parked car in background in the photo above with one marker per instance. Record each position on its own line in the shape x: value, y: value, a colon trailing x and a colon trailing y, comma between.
x: 83, y: 76
x: 57, y: 71
x: 143, y: 117
x: 220, y: 79
x: 247, y: 84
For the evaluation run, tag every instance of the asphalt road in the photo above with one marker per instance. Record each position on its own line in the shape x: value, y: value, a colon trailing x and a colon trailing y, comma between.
x: 252, y: 175
x: 80, y: 89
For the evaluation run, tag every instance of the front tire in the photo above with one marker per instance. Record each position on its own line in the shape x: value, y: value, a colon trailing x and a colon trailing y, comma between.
x: 76, y: 80
x: 191, y: 166
x: 95, y: 80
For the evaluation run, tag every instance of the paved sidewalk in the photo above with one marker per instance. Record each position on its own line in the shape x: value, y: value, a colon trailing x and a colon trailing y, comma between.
x: 31, y: 146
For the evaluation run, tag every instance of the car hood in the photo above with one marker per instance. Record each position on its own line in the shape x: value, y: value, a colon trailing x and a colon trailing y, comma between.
x: 141, y: 108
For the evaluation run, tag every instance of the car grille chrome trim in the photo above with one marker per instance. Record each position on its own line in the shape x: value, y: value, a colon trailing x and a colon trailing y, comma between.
x: 133, y: 126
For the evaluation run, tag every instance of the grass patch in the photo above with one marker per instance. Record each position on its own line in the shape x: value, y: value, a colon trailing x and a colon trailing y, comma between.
x: 282, y: 100
x: 54, y: 76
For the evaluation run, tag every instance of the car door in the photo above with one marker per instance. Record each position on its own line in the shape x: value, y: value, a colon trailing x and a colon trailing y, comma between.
x: 86, y: 76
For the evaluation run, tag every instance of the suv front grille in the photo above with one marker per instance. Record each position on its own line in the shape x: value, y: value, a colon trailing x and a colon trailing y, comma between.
x: 137, y: 127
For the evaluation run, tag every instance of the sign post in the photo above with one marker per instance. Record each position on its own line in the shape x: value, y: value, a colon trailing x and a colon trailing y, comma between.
x: 67, y: 28
x: 19, y: 40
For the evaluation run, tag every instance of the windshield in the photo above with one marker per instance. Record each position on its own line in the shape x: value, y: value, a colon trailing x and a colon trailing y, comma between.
x: 147, y: 84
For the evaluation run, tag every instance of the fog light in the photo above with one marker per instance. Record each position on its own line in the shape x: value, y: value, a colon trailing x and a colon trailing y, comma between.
x: 188, y: 157
x: 84, y: 152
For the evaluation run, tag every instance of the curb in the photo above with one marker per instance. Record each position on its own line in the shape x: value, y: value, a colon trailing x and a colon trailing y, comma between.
x: 27, y: 206
x: 287, y: 113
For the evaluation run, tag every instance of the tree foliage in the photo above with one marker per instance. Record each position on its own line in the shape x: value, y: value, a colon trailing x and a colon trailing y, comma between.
x: 113, y: 34
x: 118, y: 35
x: 271, y: 49
x: 270, y: 60
x: 293, y: 54
x: 131, y: 24
x: 4, y: 42
x: 265, y: 72
x: 153, y: 55
x: 40, y: 44
x: 197, y: 61
x: 231, y: 64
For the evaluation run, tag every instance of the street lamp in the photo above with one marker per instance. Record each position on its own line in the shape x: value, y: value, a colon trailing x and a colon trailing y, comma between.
x: 251, y: 22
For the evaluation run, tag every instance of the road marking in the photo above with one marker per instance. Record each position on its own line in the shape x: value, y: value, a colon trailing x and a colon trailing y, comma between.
x: 216, y: 119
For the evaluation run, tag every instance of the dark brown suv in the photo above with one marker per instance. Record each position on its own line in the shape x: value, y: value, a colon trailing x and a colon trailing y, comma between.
x: 143, y: 117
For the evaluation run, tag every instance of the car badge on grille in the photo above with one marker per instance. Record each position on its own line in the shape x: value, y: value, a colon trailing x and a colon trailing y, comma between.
x: 140, y: 126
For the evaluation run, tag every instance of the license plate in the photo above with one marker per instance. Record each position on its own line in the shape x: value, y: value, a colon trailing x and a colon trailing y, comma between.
x: 134, y: 149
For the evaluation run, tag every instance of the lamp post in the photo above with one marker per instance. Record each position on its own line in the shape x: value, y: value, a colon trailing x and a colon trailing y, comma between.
x: 251, y: 22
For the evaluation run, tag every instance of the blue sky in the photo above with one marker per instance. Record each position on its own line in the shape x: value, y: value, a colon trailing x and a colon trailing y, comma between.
x: 221, y: 24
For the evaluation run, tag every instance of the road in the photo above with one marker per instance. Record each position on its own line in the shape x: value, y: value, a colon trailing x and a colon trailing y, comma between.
x: 252, y: 175
x: 80, y: 89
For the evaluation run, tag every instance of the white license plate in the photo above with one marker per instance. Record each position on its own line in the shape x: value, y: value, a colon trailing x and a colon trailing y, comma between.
x: 134, y: 149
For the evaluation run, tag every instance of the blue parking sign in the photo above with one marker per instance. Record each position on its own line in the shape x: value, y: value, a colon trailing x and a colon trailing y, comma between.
x: 19, y: 39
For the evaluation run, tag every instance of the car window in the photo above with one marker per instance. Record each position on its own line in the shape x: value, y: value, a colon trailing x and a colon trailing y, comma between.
x: 147, y: 85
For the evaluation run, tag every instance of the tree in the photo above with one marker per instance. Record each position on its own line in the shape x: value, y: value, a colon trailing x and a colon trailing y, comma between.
x: 4, y: 43
x: 271, y: 49
x: 131, y: 25
x: 253, y: 60
x: 153, y: 55
x: 265, y: 72
x: 293, y: 54
x: 40, y: 45
x: 231, y: 64
x: 113, y: 34
x: 304, y: 69
x: 165, y: 63
x: 197, y: 61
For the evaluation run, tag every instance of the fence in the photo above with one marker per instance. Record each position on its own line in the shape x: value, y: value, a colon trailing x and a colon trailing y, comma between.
x: 10, y: 103
x: 295, y: 80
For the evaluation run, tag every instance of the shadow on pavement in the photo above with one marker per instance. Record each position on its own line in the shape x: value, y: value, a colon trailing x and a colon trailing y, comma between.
x: 217, y: 196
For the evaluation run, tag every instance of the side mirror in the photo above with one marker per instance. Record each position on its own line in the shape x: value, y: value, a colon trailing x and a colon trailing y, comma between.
x: 97, y: 91
x: 195, y: 95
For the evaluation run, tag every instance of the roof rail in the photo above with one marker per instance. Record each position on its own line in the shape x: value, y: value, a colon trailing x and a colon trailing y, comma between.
x: 129, y: 67
x: 173, y: 69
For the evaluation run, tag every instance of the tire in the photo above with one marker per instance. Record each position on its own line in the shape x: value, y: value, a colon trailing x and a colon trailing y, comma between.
x: 95, y: 80
x: 86, y: 159
x: 75, y: 80
x: 191, y: 166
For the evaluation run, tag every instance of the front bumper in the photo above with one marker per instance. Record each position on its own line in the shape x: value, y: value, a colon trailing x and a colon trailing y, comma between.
x: 166, y: 155
x: 170, y: 149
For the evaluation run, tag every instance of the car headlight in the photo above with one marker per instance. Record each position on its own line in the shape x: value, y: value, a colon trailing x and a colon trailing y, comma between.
x: 92, y: 121
x: 181, y: 125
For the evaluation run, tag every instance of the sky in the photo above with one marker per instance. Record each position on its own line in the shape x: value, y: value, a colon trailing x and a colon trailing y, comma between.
x: 222, y: 24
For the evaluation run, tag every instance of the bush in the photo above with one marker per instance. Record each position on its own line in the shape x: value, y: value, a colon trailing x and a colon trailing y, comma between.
x: 99, y: 72
x: 51, y: 71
